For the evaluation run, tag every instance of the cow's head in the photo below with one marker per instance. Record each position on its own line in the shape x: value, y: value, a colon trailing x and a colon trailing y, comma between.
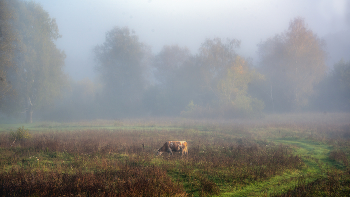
x: 159, y: 152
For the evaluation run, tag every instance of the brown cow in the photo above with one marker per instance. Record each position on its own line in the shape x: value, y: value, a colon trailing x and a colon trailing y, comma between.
x: 174, y: 146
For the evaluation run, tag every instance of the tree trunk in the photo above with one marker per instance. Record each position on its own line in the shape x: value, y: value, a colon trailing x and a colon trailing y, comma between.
x: 29, y: 112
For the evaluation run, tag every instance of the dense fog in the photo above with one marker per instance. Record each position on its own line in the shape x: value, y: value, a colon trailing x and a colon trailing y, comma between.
x: 84, y: 60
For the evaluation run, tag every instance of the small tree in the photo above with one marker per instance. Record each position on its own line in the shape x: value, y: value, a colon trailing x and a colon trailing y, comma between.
x: 20, y: 135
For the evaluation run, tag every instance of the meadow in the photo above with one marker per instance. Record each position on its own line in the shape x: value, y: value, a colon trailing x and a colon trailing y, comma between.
x: 278, y: 155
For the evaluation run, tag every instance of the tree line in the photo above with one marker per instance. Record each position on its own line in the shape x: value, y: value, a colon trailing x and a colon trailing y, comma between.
x: 216, y: 82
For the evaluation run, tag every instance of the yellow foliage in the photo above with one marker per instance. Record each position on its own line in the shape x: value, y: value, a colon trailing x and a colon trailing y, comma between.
x: 234, y: 86
x: 20, y: 134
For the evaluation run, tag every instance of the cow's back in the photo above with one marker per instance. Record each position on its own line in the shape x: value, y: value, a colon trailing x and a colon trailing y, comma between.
x: 174, y: 146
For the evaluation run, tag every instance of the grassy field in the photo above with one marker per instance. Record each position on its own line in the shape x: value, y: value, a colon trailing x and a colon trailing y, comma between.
x: 278, y: 155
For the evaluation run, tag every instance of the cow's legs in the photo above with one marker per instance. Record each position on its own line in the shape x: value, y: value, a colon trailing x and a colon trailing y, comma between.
x: 169, y: 150
x: 184, y: 151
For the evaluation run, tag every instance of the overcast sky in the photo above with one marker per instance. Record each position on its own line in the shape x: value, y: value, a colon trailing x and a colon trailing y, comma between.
x: 84, y: 23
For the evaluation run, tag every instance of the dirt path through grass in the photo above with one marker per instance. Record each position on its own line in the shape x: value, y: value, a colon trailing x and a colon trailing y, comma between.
x: 315, y: 157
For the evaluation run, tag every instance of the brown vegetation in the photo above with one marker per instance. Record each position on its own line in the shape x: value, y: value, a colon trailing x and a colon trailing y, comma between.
x: 127, y: 181
x: 104, y: 162
x: 122, y: 162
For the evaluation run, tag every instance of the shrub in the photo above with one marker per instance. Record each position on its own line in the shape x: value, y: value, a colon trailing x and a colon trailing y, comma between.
x: 19, y: 135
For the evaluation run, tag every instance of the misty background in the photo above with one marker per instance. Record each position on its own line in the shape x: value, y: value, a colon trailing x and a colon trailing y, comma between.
x: 84, y: 23
x: 169, y: 66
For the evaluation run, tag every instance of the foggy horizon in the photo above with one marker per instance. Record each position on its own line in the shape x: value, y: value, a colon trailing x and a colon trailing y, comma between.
x: 83, y: 25
x: 73, y: 60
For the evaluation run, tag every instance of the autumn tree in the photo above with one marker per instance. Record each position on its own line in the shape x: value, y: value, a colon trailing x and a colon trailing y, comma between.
x: 225, y: 79
x: 119, y: 62
x: 215, y: 58
x: 7, y: 48
x: 38, y: 79
x: 293, y: 62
